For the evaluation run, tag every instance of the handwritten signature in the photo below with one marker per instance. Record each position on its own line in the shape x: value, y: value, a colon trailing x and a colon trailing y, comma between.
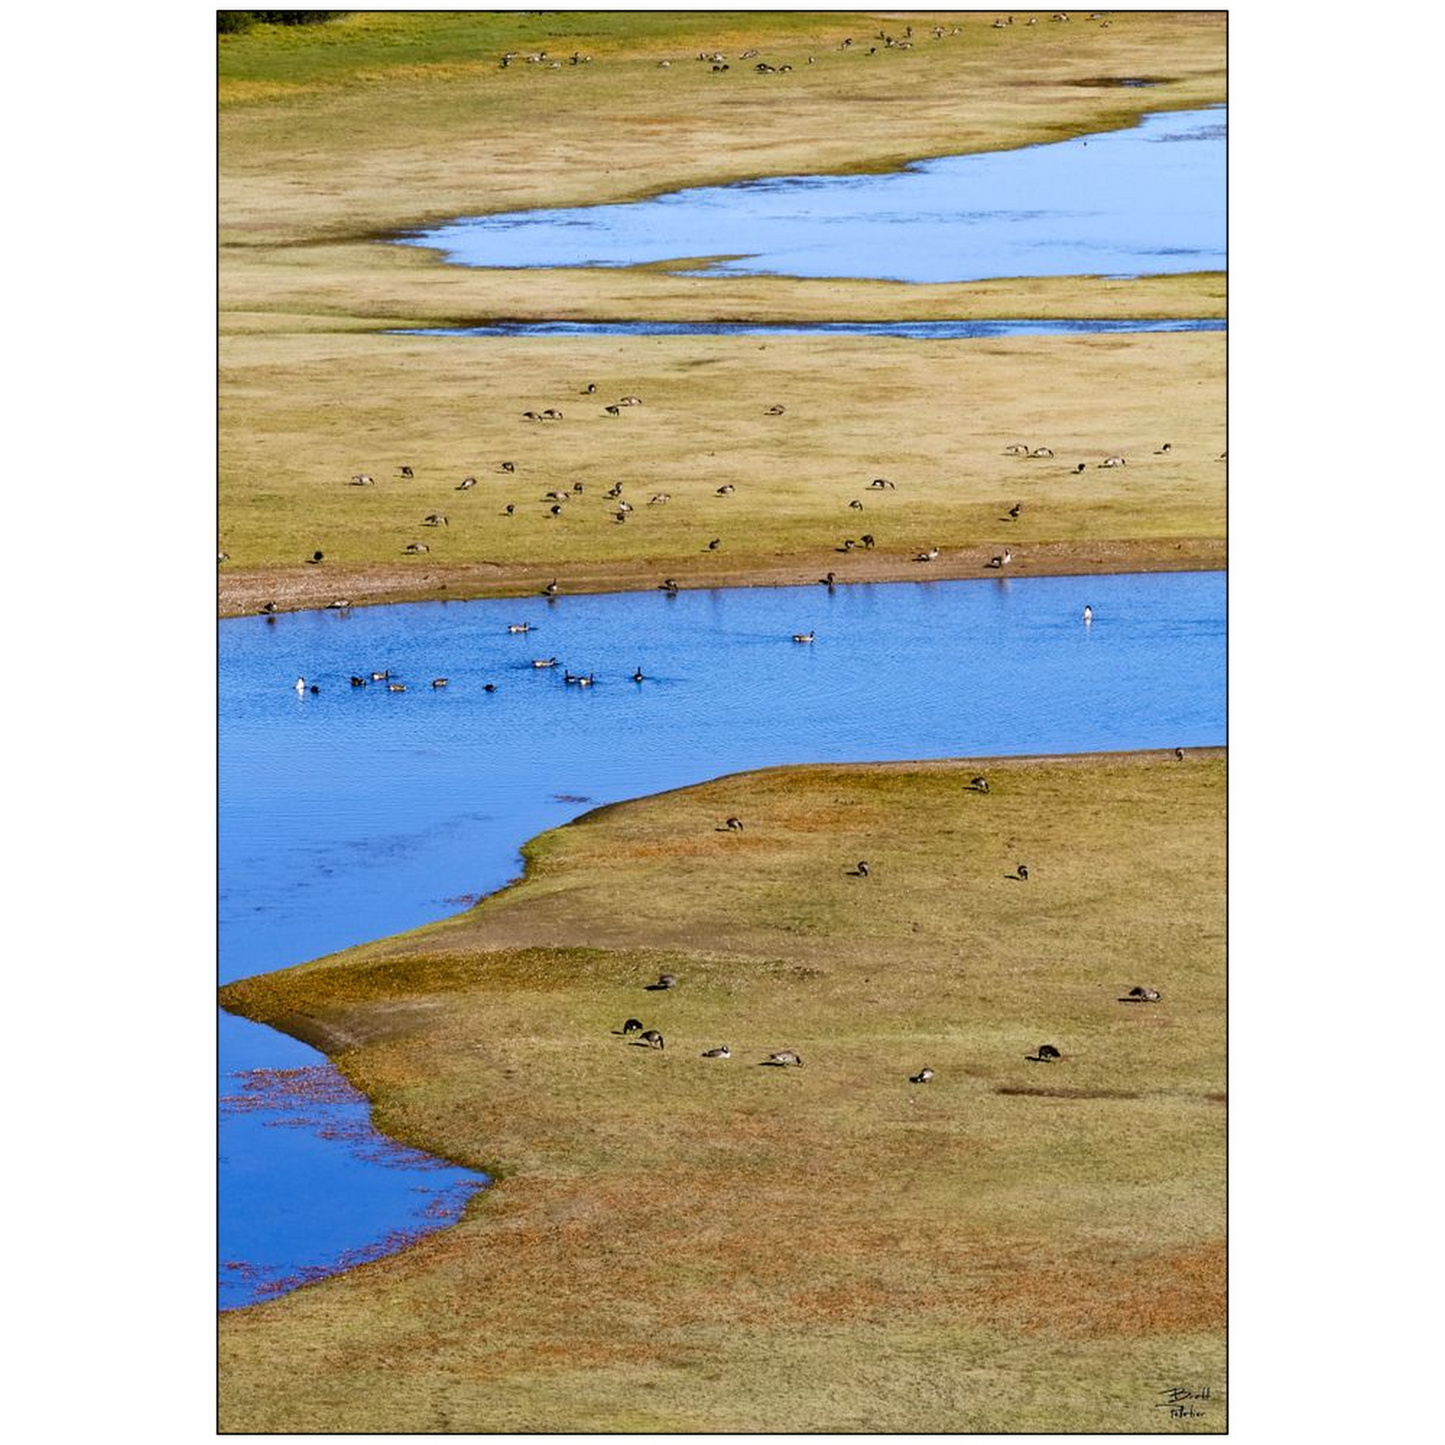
x: 1180, y: 1400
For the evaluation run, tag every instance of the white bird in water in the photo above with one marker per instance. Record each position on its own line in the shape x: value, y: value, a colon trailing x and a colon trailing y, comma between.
x: 1088, y: 615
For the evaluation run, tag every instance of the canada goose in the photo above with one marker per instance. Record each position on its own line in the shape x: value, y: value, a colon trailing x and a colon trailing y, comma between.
x: 659, y: 499
x: 867, y: 540
x: 406, y: 471
x: 979, y: 785
x: 555, y: 497
x: 509, y: 466
x: 828, y: 581
x: 856, y: 505
x: 358, y: 682
x: 613, y: 410
x: 613, y: 492
x: 638, y: 677
x: 1078, y: 469
x: 396, y: 687
x: 632, y: 1026
x: 726, y: 490
x: 300, y: 684
x: 313, y: 688
x: 1018, y: 449
x: 784, y: 1057
x: 1022, y: 872
x: 589, y: 390
x: 1139, y: 994
x: 519, y: 627
x: 578, y: 488
x: 664, y: 981
x: 763, y: 68
x: 585, y: 681
x: 530, y: 416
x: 316, y: 557
x: 921, y: 1077
x: 551, y: 414
x: 510, y: 509
x: 1042, y: 452
x: 1014, y: 511
x: 1168, y: 446
x: 362, y: 480
x: 1088, y: 615
x: 861, y: 871
x: 880, y: 484
x: 340, y: 605
x: 804, y: 636
x: 434, y: 519
x: 415, y: 549
x: 1002, y: 559
x: 714, y: 544
x: 631, y: 401
x: 555, y: 509
x: 381, y: 676
x: 550, y: 590
x: 652, y: 1039
x: 927, y: 556
x: 1047, y: 1053
x: 489, y: 687
x: 467, y: 483
x: 775, y: 411
x: 544, y: 662
x: 848, y: 545
x: 719, y: 1053
x: 1113, y: 462
x: 439, y: 682
x: 735, y: 825
x: 669, y: 586
x: 1178, y: 755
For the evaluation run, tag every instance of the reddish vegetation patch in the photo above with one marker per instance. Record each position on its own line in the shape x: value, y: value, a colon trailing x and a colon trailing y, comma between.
x: 1173, y: 1292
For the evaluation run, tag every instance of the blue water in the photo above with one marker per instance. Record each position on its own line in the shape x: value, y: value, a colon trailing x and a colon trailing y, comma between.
x: 909, y: 330
x: 356, y: 813
x: 1149, y: 200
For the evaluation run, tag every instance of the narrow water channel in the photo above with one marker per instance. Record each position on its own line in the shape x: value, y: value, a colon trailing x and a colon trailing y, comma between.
x: 355, y: 812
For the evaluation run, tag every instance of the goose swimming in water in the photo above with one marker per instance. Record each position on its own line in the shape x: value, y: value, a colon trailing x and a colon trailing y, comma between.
x: 921, y: 1077
x: 828, y: 581
x: 638, y: 677
x: 439, y: 681
x: 381, y: 676
x: 544, y: 662
x: 804, y: 636
x: 489, y: 687
x: 358, y: 682
x: 519, y: 627
x: 1088, y: 615
x: 719, y: 1053
x: 300, y: 684
x: 396, y: 687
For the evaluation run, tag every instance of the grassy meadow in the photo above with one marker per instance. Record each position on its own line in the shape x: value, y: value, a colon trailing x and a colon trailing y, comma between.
x: 333, y: 136
x: 687, y: 1244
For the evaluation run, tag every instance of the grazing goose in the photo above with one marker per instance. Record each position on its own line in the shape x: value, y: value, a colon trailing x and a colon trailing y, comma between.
x: 544, y: 662
x: 1002, y: 559
x: 861, y: 871
x: 783, y: 1058
x: 358, y: 682
x: 415, y: 549
x: 880, y: 484
x: 467, y: 483
x: 632, y: 1026
x: 1078, y: 469
x: 726, y: 490
x: 551, y: 414
x: 848, y: 545
x: 652, y: 1039
x: 1113, y: 462
x: 719, y: 1053
x: 714, y: 544
x: 735, y: 825
x: 927, y: 556
x: 1045, y: 1054
x: 613, y: 410
x: 439, y: 682
x: 555, y: 497
x: 804, y: 636
x: 300, y: 684
x: 659, y: 499
x: 362, y: 480
x: 631, y: 401
x: 1139, y: 994
x: 510, y: 509
x: 664, y: 981
x: 1088, y: 615
x: 519, y: 627
x: 316, y: 557
x: 1042, y: 452
x: 1013, y: 511
x: 856, y: 505
x: 1018, y: 449
x: 921, y: 1077
x: 613, y: 492
x: 979, y: 785
x: 867, y: 540
x: 406, y: 471
x: 530, y: 416
x: 509, y: 466
x: 775, y: 411
x: 638, y: 677
x: 1022, y: 872
x: 434, y: 519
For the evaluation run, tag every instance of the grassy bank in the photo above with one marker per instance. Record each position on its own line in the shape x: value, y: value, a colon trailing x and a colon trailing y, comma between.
x: 681, y: 1244
x: 301, y: 414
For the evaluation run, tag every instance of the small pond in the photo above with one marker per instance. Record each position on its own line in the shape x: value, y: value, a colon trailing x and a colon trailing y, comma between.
x: 1144, y: 201
x: 355, y: 812
x: 908, y: 330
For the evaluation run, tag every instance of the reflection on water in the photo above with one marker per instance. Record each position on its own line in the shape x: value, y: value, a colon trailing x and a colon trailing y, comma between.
x: 1139, y: 202
x: 355, y: 812
x: 909, y: 330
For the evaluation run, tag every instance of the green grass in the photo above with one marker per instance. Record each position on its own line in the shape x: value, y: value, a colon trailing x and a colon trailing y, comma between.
x: 684, y: 1244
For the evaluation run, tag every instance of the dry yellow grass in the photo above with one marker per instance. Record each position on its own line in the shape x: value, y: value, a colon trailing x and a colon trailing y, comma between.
x: 684, y: 1244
